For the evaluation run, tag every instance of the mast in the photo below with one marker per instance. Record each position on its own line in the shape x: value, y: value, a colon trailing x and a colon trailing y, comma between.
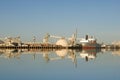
x: 75, y: 36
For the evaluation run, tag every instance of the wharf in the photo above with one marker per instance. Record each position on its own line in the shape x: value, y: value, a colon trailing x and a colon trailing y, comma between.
x: 32, y: 47
x: 38, y: 47
x: 42, y: 46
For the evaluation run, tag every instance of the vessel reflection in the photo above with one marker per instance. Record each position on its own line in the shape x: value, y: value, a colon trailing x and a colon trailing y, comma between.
x: 46, y: 53
x: 89, y: 54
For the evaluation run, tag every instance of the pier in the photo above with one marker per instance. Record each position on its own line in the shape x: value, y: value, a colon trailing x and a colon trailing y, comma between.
x: 88, y: 42
x: 61, y: 43
x: 41, y: 46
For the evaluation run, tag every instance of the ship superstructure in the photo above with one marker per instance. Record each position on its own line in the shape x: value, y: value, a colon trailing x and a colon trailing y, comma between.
x: 89, y: 42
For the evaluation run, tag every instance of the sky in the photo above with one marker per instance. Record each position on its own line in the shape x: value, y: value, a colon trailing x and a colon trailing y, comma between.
x: 28, y: 18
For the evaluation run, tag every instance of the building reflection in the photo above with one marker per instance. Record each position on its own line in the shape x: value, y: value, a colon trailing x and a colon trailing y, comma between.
x: 116, y: 52
x: 10, y: 53
x: 89, y: 54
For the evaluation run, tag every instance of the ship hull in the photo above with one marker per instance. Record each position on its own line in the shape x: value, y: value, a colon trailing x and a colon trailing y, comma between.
x: 90, y: 46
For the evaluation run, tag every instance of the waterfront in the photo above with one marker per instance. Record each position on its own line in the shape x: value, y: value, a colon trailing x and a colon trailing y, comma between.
x: 59, y: 39
x: 59, y: 64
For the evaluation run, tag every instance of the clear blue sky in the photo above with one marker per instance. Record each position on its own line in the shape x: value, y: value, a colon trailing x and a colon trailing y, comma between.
x: 28, y: 18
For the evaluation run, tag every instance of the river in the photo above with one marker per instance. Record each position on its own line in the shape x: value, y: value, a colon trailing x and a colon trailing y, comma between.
x: 59, y: 64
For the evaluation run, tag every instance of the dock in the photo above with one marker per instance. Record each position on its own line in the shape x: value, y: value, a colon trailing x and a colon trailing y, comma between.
x: 60, y: 43
x: 41, y: 46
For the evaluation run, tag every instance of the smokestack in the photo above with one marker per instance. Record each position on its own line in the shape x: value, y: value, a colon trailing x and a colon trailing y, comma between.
x: 86, y: 37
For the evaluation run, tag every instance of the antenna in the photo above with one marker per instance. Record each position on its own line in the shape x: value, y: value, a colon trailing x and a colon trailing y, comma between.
x: 75, y: 35
x: 34, y: 39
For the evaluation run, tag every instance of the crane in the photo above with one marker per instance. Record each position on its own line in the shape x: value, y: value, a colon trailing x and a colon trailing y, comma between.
x: 47, y: 36
x: 70, y: 41
x: 57, y: 37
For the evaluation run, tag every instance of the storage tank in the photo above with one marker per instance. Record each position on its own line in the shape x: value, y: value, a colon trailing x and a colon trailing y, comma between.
x: 63, y: 42
x: 62, y: 53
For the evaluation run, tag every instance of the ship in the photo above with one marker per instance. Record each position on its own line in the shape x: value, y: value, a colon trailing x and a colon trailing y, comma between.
x: 89, y: 43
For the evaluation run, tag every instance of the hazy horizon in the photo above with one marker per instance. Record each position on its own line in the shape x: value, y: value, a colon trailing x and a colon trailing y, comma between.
x: 28, y: 18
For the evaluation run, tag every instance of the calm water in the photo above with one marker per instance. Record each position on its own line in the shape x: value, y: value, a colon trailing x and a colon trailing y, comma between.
x: 59, y: 65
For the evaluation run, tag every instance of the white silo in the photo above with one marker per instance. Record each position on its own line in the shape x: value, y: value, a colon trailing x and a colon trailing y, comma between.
x: 63, y: 42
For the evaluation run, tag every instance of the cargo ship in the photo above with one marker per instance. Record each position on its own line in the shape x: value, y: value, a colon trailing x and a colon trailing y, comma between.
x: 89, y: 43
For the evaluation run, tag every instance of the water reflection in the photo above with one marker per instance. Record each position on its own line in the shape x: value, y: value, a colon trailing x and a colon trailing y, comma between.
x: 87, y: 55
x: 116, y: 52
x: 59, y: 54
x: 10, y: 53
x: 59, y: 63
x: 113, y: 51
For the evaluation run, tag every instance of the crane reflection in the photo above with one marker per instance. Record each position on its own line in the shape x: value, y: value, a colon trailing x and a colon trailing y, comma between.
x: 51, y: 54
